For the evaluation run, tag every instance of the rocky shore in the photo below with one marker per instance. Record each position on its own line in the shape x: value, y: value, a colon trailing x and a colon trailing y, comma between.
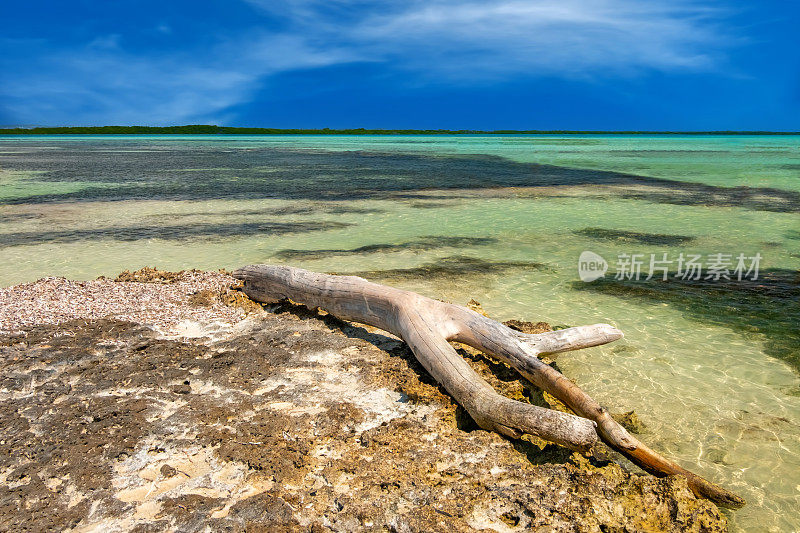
x: 169, y: 401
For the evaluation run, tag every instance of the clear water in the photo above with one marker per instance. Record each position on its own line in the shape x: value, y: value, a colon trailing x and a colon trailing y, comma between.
x: 712, y: 371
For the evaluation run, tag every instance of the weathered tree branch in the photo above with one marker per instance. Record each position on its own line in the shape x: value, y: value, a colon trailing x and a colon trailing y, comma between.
x: 428, y: 325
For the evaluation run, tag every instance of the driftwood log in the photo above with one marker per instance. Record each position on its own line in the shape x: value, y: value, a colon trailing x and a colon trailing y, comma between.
x: 428, y: 326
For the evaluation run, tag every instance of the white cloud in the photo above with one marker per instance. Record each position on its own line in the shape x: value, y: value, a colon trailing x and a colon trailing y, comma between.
x: 545, y: 37
x: 491, y: 38
x: 103, y: 84
x: 445, y: 41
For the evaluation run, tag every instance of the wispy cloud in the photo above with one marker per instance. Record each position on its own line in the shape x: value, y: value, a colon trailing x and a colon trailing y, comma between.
x: 567, y: 37
x: 448, y: 41
x: 103, y: 84
x: 490, y: 38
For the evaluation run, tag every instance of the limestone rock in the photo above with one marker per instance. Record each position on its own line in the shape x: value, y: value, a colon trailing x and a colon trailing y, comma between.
x: 291, y: 420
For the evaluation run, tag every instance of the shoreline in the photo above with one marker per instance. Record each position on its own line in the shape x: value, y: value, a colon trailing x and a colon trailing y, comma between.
x: 171, y: 400
x: 234, y: 130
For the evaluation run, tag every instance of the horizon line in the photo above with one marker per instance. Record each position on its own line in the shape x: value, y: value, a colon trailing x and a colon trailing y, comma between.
x: 210, y: 129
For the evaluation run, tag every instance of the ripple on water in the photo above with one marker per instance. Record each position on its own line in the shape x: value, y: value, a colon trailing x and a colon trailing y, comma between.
x: 710, y: 370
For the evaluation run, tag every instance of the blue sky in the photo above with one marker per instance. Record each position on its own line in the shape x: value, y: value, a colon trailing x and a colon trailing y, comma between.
x: 490, y: 64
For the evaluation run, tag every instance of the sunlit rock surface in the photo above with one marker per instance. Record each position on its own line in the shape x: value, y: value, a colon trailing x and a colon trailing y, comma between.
x: 282, y: 419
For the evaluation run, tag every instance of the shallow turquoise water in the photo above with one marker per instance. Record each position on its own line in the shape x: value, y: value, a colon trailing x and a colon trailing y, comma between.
x: 712, y: 370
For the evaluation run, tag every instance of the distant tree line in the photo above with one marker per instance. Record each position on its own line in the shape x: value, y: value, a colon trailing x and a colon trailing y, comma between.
x: 202, y: 129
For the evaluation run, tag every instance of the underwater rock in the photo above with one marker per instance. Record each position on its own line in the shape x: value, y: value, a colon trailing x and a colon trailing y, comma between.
x: 766, y: 309
x: 528, y: 327
x: 630, y: 421
x: 622, y: 236
x: 451, y: 266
